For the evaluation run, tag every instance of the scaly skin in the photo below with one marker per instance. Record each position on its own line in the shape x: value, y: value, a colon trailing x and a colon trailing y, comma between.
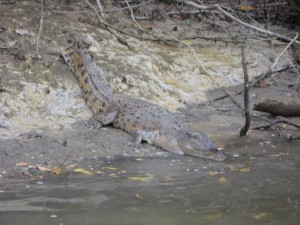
x: 144, y: 120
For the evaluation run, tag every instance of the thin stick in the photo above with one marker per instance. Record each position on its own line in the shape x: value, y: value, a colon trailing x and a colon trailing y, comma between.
x: 113, y: 30
x: 142, y: 29
x: 41, y: 26
x: 101, y: 8
x: 271, y: 124
x: 206, y: 71
x: 244, y: 130
x: 267, y: 72
x: 219, y: 8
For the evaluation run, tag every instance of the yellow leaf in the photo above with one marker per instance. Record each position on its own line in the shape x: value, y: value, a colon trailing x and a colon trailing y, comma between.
x: 111, y: 168
x: 232, y: 169
x: 260, y: 215
x: 21, y: 164
x: 71, y: 166
x: 80, y: 170
x: 145, y: 178
x: 41, y: 168
x: 246, y: 8
x: 214, y: 216
x: 138, y: 196
x: 169, y: 178
x: 56, y: 170
x: 222, y: 180
x: 245, y: 170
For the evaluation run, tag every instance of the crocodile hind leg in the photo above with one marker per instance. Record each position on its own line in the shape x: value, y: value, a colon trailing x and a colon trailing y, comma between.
x: 103, y: 117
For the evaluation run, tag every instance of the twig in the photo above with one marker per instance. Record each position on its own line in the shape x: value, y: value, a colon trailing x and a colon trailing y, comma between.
x: 244, y: 130
x: 219, y: 8
x: 279, y: 119
x: 251, y: 84
x: 108, y: 26
x: 145, y: 31
x: 266, y: 126
x: 206, y: 71
x: 101, y: 9
x: 265, y: 73
x: 41, y: 26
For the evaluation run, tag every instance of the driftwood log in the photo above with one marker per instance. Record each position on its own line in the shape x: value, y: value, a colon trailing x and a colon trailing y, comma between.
x: 279, y: 106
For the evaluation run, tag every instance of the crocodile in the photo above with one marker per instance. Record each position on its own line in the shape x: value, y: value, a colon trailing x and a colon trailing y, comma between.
x: 144, y: 120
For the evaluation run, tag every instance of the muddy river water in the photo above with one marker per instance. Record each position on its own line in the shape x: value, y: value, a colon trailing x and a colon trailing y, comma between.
x: 259, y: 184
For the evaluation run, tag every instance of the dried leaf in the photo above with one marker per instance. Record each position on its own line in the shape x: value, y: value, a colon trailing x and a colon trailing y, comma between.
x: 71, y: 166
x: 169, y: 178
x: 260, y: 215
x: 146, y: 178
x: 246, y: 8
x: 21, y: 164
x: 80, y: 170
x: 111, y: 168
x: 232, y: 169
x: 138, y: 196
x: 214, y: 216
x: 56, y: 170
x: 213, y: 173
x: 222, y: 180
x: 245, y: 170
x: 139, y: 159
x: 26, y: 173
x: 21, y: 31
x: 41, y: 168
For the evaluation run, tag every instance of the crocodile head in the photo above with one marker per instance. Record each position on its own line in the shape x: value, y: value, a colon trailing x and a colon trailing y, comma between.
x: 198, y: 145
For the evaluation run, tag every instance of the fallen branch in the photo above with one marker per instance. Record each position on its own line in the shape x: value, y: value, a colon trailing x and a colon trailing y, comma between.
x: 279, y: 106
x: 244, y: 130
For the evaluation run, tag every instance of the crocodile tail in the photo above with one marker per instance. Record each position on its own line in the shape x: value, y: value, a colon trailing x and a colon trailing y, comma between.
x: 96, y: 74
x: 95, y: 88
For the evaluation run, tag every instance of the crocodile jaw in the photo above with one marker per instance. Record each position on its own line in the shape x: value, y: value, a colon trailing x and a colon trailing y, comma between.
x: 198, y: 145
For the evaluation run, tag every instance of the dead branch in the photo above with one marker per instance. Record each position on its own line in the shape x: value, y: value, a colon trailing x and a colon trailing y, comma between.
x: 271, y: 123
x: 145, y: 31
x: 220, y: 9
x: 279, y: 119
x: 41, y: 26
x: 108, y: 26
x: 279, y: 106
x: 244, y: 130
x: 259, y: 77
x: 267, y: 72
x: 206, y: 71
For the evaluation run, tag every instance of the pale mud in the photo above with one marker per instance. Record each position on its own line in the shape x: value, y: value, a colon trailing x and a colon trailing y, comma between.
x: 42, y: 112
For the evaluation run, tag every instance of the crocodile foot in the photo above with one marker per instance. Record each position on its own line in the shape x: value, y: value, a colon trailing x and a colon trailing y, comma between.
x: 92, y: 123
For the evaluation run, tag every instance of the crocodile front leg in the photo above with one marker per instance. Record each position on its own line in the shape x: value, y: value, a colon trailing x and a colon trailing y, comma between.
x: 146, y: 135
x: 103, y: 117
